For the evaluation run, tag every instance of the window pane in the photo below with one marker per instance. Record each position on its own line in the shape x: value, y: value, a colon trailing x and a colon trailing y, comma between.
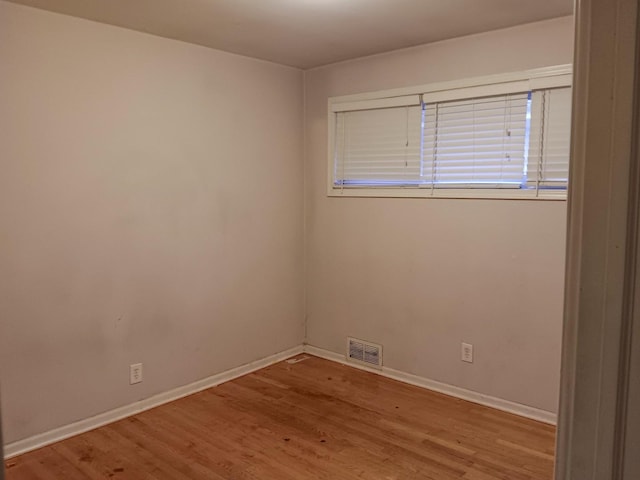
x: 378, y: 147
x: 476, y: 142
x: 550, y: 138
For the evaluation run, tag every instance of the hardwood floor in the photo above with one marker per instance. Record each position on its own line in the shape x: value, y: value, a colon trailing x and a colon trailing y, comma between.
x: 314, y: 419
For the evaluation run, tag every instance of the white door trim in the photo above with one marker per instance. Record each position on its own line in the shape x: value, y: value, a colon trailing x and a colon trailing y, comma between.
x: 604, y: 201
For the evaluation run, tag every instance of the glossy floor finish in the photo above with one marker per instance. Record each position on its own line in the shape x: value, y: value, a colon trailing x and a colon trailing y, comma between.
x: 313, y: 419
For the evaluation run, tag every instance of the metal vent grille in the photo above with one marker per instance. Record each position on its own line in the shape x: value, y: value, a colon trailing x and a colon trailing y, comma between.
x: 356, y: 350
x: 364, y: 352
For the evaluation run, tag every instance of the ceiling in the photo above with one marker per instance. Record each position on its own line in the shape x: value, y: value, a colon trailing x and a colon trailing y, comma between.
x: 309, y: 33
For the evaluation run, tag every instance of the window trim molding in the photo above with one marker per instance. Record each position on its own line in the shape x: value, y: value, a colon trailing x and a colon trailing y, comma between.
x: 539, y: 78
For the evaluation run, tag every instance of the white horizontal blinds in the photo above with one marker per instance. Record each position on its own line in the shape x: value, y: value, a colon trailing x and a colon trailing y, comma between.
x: 477, y: 142
x: 378, y: 147
x: 549, y: 141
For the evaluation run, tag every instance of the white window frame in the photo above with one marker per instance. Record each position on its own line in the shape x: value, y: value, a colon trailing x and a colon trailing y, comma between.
x: 514, y: 82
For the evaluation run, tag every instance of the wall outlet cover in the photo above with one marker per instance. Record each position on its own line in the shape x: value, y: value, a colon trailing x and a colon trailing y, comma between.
x: 135, y: 373
x: 467, y: 352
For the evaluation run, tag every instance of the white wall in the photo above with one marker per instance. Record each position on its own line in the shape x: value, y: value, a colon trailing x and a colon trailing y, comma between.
x: 422, y: 275
x: 150, y: 197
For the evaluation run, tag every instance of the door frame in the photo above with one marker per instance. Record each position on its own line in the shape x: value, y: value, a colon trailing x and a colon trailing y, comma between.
x: 602, y: 244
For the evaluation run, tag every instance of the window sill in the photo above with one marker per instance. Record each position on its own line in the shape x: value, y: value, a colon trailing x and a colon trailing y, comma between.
x: 467, y: 193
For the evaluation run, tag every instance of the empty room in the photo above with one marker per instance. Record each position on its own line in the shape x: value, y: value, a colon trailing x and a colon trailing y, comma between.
x: 295, y: 239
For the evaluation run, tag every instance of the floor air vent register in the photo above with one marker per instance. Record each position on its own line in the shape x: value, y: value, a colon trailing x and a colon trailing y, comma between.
x: 364, y: 353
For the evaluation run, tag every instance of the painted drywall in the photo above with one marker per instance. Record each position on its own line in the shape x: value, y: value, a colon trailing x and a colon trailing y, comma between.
x: 150, y: 197
x: 420, y: 276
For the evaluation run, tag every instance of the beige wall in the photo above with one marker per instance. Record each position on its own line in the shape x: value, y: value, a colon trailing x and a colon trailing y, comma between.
x: 422, y: 275
x: 150, y: 197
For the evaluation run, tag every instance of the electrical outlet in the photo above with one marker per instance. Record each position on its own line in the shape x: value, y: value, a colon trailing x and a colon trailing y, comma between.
x: 135, y: 373
x: 467, y: 352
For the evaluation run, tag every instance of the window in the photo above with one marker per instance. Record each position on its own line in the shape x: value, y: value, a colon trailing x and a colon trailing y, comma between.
x: 379, y: 146
x: 476, y: 143
x: 549, y: 138
x: 500, y: 137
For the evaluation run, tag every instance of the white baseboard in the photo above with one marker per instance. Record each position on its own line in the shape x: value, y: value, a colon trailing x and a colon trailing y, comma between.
x: 76, y: 428
x: 475, y: 397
